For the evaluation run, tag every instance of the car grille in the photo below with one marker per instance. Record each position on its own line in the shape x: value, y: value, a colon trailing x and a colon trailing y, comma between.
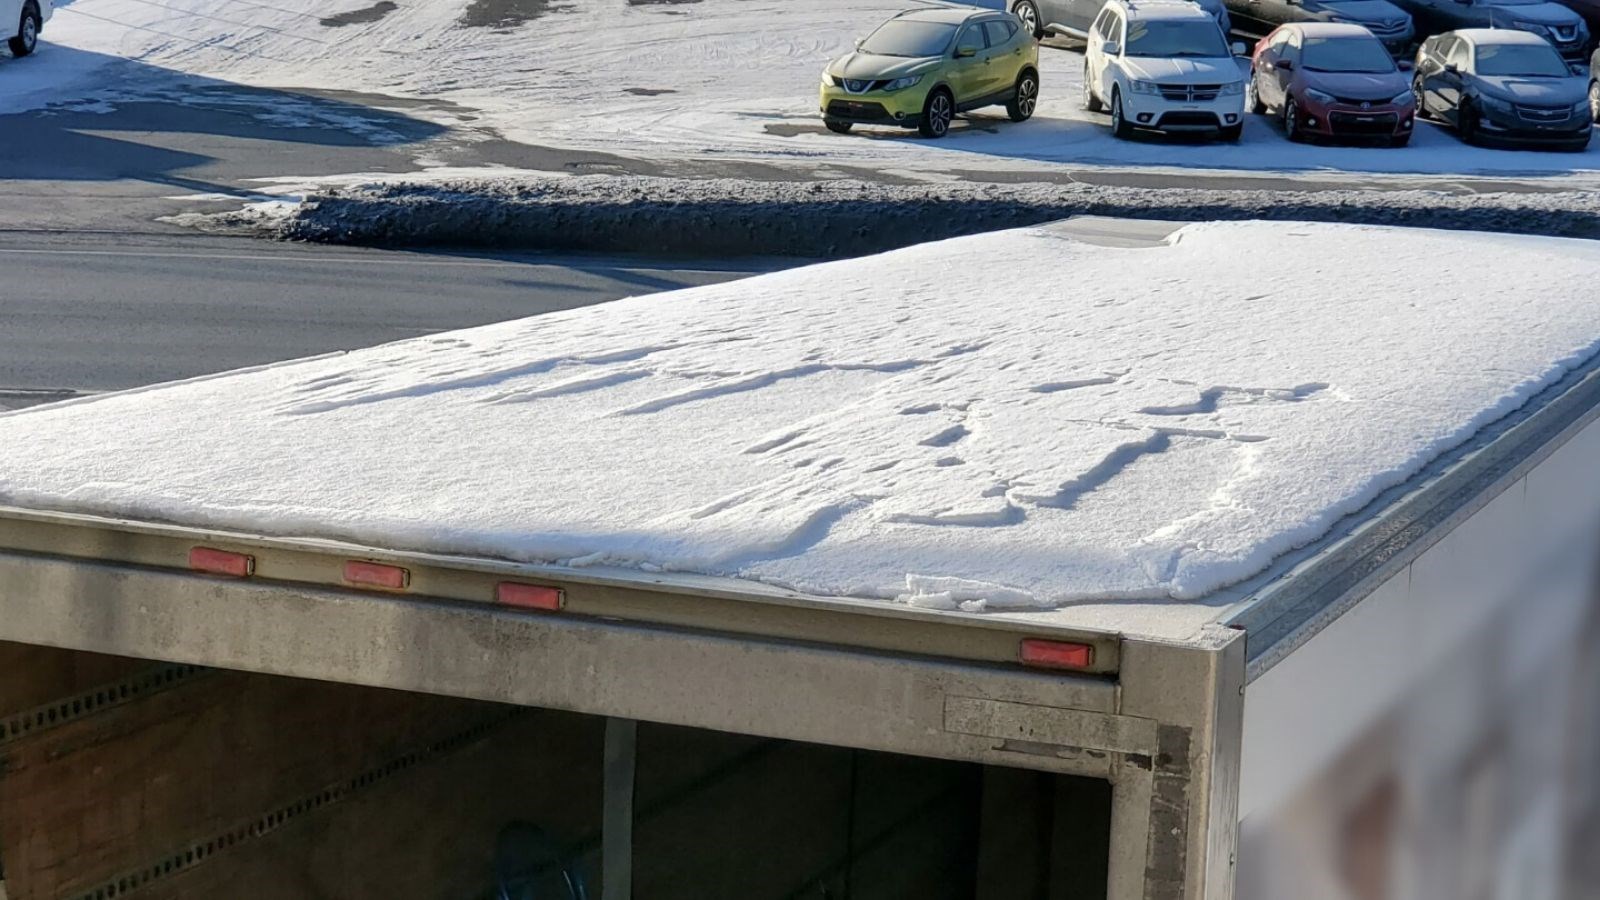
x: 860, y: 85
x: 1544, y: 114
x: 1358, y: 101
x: 1387, y: 29
x: 1355, y: 123
x: 855, y: 109
x: 1190, y: 93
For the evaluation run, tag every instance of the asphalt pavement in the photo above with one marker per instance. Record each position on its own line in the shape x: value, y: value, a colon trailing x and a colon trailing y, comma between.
x: 89, y: 313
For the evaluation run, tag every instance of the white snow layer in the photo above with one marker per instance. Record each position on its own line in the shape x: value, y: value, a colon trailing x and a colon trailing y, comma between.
x: 1013, y: 420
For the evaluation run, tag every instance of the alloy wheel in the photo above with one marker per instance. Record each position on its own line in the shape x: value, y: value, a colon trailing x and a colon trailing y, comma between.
x: 1029, y: 17
x: 1027, y: 95
x: 1291, y: 119
x: 1594, y: 100
x: 30, y: 32
x: 939, y: 113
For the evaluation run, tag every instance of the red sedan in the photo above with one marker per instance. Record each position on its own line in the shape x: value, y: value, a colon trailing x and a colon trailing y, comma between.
x: 1334, y: 81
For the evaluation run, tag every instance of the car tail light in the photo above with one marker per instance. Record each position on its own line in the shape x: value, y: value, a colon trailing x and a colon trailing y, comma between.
x: 1044, y: 654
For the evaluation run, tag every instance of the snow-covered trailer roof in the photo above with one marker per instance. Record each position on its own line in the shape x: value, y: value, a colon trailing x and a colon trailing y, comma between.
x: 1022, y: 424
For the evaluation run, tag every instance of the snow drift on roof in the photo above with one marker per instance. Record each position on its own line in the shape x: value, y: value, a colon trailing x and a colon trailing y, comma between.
x: 1014, y: 420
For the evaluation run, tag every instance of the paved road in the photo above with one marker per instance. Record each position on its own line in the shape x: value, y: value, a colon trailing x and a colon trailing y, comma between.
x: 95, y: 312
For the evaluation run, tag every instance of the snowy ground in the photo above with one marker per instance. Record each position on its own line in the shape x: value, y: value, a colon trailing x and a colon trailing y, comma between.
x: 719, y: 79
x: 892, y: 427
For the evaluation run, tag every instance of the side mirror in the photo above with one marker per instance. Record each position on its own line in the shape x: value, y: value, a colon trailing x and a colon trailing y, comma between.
x: 859, y: 42
x: 1452, y: 68
x: 1405, y: 65
x: 1109, y: 48
x: 966, y: 51
x: 1578, y: 70
x: 1239, y: 49
x: 1286, y: 64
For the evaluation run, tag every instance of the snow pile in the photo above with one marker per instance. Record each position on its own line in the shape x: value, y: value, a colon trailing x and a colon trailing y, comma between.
x: 731, y: 217
x: 661, y: 80
x: 1013, y: 420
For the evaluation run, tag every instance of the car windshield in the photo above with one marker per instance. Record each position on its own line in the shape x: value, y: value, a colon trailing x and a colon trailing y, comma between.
x: 1190, y: 37
x: 1537, y: 60
x: 1508, y: 2
x: 901, y: 38
x: 1346, y: 54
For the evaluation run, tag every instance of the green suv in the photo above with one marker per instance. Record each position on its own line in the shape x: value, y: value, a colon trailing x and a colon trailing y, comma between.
x: 922, y: 67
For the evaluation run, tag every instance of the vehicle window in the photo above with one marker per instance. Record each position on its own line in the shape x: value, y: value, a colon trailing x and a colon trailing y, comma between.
x: 972, y: 36
x: 1352, y: 54
x: 1539, y: 60
x: 1114, y: 30
x: 1184, y: 38
x: 1279, y: 41
x: 1460, y: 55
x: 997, y: 32
x: 1102, y: 24
x: 911, y: 39
x: 1441, y: 49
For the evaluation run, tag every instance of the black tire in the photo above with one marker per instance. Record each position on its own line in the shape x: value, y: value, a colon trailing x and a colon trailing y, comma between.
x: 838, y: 127
x: 1028, y: 12
x: 1090, y: 101
x: 27, y: 39
x: 1467, y: 123
x: 1025, y: 98
x: 1416, y: 91
x: 1291, y: 121
x: 1232, y: 133
x: 938, y: 111
x: 1252, y: 96
x: 1119, y: 123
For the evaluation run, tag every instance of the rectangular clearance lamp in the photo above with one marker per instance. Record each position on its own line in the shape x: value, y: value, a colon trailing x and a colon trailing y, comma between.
x: 530, y: 596
x: 222, y: 562
x: 376, y: 575
x: 1044, y: 654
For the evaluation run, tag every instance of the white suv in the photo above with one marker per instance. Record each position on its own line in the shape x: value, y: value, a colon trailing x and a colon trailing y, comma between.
x: 1163, y: 65
x: 28, y: 17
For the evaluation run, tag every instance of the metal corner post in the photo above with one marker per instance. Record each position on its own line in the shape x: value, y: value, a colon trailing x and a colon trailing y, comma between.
x: 1175, y: 813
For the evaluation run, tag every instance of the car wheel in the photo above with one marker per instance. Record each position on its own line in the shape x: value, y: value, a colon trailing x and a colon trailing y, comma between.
x: 1232, y: 133
x: 1467, y: 123
x: 838, y: 127
x: 1090, y: 101
x: 1252, y: 97
x: 937, y: 113
x: 1119, y: 125
x: 1029, y: 14
x: 27, y: 32
x: 1416, y: 91
x: 1291, y: 121
x: 1026, y: 96
x: 1594, y: 100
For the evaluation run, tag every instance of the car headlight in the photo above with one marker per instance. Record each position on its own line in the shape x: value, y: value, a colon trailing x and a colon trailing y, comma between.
x: 1531, y: 27
x: 1581, y: 108
x: 1144, y: 87
x: 827, y: 79
x: 1233, y: 89
x: 1402, y: 99
x: 1319, y: 96
x: 1494, y: 103
x: 900, y: 84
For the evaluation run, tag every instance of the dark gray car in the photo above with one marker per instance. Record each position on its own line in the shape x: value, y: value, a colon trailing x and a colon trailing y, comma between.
x: 1563, y: 28
x: 1387, y: 22
x: 1507, y: 87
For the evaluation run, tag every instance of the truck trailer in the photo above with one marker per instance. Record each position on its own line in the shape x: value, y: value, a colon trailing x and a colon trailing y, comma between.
x: 1053, y: 563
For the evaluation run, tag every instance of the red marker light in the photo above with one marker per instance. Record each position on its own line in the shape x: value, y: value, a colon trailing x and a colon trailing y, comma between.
x: 1056, y: 654
x: 222, y: 562
x: 530, y: 596
x: 367, y: 574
